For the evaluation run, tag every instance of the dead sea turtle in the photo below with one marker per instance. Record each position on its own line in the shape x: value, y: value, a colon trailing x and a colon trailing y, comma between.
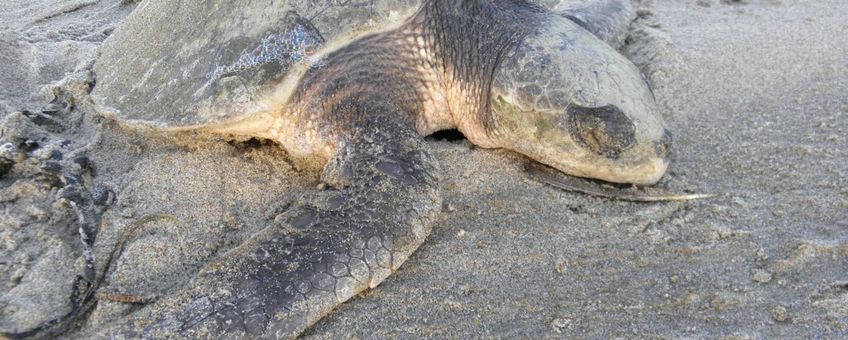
x: 351, y: 87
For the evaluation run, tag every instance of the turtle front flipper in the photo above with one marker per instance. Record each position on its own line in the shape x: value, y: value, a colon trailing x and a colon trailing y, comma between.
x: 328, y: 247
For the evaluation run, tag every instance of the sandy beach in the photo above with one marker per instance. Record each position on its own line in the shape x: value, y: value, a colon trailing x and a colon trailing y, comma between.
x: 755, y: 92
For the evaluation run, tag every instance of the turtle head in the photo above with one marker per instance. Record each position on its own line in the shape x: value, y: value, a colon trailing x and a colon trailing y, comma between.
x: 569, y: 100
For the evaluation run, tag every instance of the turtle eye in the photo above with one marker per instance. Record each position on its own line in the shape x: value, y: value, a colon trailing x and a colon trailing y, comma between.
x: 604, y: 130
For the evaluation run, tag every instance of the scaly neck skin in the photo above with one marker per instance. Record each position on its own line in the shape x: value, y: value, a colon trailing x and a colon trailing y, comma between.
x: 464, y: 42
x: 435, y: 70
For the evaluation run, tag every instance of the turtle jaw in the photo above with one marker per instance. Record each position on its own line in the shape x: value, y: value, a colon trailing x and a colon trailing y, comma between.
x: 645, y: 169
x: 646, y: 172
x: 644, y: 163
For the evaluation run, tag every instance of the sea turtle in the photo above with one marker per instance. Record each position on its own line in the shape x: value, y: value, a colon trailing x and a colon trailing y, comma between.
x: 350, y: 87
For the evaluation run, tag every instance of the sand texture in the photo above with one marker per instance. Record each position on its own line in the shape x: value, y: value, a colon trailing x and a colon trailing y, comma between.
x: 755, y: 92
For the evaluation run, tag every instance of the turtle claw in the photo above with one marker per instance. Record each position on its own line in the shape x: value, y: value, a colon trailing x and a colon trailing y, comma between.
x: 554, y: 178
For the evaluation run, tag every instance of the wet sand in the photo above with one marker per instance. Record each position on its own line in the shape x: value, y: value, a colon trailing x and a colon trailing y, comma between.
x: 756, y: 94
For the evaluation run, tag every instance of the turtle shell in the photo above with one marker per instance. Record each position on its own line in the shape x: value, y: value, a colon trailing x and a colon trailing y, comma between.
x: 176, y: 63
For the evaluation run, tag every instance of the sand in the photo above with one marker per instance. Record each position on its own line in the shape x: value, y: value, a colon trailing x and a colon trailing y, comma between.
x: 756, y: 94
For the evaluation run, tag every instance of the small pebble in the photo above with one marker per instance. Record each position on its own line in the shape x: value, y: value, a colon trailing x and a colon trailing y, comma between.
x: 560, y: 266
x: 52, y: 166
x: 82, y: 161
x: 8, y: 150
x: 762, y: 276
x: 101, y: 195
x: 560, y: 324
x: 30, y: 145
x: 56, y: 155
x: 779, y: 314
x: 126, y: 213
x: 37, y: 213
x: 231, y: 221
x: 17, y: 276
x: 6, y: 165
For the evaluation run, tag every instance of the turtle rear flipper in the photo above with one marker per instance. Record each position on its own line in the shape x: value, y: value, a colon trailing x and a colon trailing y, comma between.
x: 325, y: 249
x: 606, y: 19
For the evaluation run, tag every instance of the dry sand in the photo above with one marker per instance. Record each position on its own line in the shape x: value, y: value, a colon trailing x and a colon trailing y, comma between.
x: 757, y: 97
